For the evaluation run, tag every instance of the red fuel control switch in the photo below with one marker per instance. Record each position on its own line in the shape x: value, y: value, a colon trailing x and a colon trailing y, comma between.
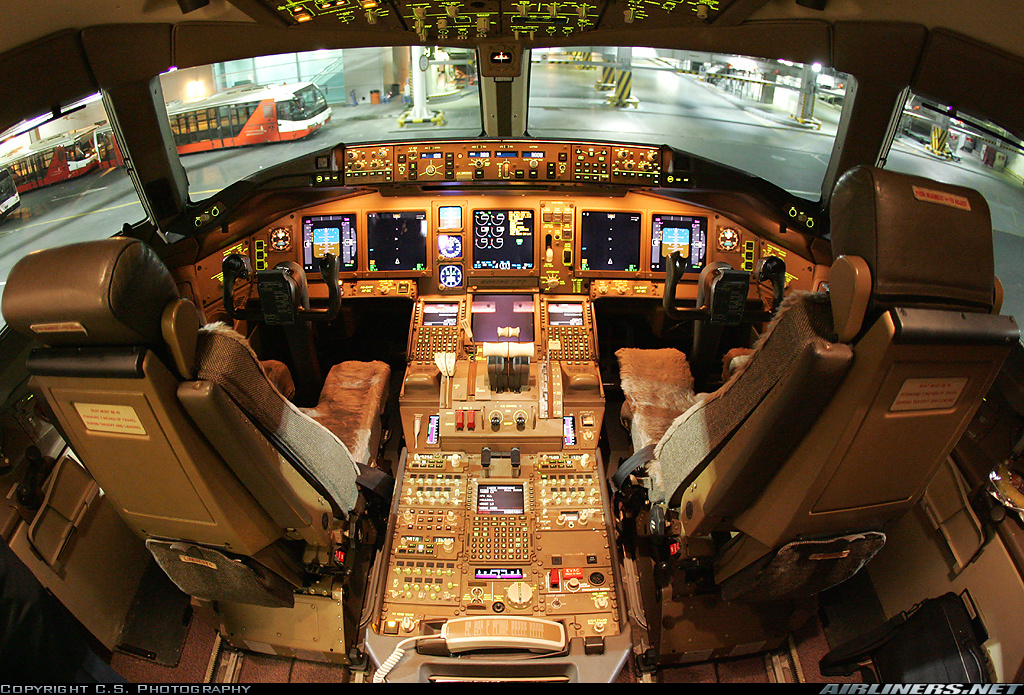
x: 472, y: 420
x: 460, y: 419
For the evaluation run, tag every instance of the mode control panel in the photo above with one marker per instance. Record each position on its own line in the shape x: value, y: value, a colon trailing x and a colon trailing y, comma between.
x: 499, y: 535
x: 502, y: 160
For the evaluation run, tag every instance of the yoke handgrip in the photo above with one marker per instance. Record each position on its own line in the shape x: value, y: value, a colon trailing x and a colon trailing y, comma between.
x: 329, y: 272
x: 773, y: 269
x: 233, y: 267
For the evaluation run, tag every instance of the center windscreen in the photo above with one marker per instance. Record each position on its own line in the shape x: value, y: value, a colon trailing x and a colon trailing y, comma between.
x: 609, y: 241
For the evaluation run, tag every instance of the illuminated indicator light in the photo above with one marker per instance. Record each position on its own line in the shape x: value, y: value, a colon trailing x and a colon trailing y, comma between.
x: 301, y: 14
x: 369, y: 4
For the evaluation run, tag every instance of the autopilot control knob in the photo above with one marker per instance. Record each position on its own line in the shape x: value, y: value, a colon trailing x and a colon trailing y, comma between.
x: 495, y: 421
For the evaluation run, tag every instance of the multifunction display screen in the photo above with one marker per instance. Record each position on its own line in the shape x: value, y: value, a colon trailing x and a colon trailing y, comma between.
x: 610, y: 241
x: 502, y: 239
x: 324, y: 234
x: 396, y: 240
x: 502, y: 318
x: 687, y: 235
x: 500, y: 499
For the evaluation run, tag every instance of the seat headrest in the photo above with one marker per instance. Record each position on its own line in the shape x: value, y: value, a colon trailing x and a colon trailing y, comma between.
x: 925, y: 243
x: 108, y: 292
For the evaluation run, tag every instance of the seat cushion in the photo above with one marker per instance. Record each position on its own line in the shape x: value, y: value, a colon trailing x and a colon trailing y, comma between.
x: 658, y: 387
x: 351, y: 403
x: 280, y: 376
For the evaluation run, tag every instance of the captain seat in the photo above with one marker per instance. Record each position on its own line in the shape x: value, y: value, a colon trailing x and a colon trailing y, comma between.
x: 850, y: 401
x: 241, y: 497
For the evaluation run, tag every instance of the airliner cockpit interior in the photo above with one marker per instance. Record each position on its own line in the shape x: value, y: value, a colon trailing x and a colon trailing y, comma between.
x: 618, y: 341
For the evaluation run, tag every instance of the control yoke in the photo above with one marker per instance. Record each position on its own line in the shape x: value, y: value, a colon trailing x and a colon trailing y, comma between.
x: 284, y: 295
x: 722, y: 291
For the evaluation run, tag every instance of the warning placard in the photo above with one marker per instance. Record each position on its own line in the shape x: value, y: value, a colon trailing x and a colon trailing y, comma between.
x: 937, y: 393
x: 101, y: 417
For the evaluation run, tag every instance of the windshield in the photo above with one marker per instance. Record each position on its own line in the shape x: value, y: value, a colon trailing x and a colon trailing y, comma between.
x: 774, y: 119
x: 235, y: 118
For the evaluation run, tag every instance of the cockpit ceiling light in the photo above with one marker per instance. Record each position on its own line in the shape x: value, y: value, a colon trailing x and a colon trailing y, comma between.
x: 301, y: 14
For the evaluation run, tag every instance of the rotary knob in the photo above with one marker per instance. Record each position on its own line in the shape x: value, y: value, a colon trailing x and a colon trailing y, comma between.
x: 520, y: 594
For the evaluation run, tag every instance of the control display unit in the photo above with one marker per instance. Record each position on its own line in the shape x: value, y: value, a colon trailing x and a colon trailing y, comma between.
x: 685, y: 234
x: 609, y: 241
x: 396, y: 241
x: 440, y: 314
x: 503, y: 240
x: 565, y: 313
x: 507, y: 498
x: 322, y: 234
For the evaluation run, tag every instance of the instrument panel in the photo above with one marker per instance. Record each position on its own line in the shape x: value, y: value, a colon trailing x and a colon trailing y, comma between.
x: 406, y: 232
x: 593, y: 245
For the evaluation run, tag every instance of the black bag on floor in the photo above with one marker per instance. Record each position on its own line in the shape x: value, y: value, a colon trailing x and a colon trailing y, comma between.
x: 937, y: 641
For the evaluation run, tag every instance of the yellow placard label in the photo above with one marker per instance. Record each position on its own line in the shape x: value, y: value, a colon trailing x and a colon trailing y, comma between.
x: 101, y: 417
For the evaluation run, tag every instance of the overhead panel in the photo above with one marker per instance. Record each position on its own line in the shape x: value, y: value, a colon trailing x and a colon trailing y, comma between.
x: 452, y: 21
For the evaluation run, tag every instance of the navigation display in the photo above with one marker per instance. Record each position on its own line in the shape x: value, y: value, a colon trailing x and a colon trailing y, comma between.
x: 687, y: 235
x: 610, y: 241
x: 396, y: 240
x: 500, y: 499
x: 441, y: 314
x: 502, y: 318
x: 565, y: 314
x: 502, y: 239
x: 329, y: 234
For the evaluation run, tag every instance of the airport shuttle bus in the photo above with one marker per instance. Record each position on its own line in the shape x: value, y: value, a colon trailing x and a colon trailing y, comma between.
x: 248, y: 116
x: 656, y: 343
x: 55, y: 159
x: 9, y: 198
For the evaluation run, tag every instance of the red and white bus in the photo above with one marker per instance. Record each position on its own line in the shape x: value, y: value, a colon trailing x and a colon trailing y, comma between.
x: 247, y: 116
x: 9, y: 198
x: 57, y: 158
x: 108, y: 152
